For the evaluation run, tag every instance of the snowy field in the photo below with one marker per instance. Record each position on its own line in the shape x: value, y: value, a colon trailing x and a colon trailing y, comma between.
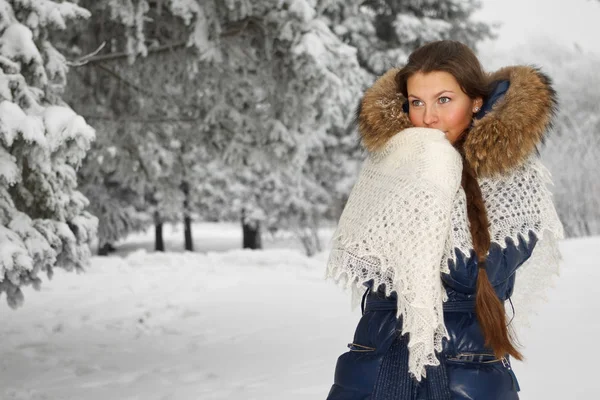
x: 233, y: 324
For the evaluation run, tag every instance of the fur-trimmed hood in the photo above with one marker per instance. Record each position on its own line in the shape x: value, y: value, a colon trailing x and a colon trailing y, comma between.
x: 498, y: 141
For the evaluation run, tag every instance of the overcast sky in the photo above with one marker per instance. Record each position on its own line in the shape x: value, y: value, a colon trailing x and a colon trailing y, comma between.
x: 564, y: 21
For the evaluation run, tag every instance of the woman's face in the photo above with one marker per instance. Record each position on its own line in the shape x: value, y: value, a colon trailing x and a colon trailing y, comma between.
x: 437, y: 101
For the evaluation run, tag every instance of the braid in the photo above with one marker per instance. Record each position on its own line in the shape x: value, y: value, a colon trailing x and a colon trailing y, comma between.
x: 489, y: 309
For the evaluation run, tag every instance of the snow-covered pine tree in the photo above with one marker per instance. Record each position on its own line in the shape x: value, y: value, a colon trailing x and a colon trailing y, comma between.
x: 115, y: 192
x: 310, y: 90
x: 129, y: 174
x: 42, y: 142
x: 269, y: 84
x: 386, y: 31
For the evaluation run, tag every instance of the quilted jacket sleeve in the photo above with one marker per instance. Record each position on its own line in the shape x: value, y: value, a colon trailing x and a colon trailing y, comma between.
x: 501, y: 266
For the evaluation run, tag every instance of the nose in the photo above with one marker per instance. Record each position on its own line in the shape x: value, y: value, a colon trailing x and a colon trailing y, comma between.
x: 429, y: 116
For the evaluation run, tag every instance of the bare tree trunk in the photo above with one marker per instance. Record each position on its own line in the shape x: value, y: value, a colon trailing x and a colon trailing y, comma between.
x: 189, y: 244
x: 251, y: 233
x: 105, y: 249
x: 187, y: 219
x: 159, y: 244
x: 586, y: 228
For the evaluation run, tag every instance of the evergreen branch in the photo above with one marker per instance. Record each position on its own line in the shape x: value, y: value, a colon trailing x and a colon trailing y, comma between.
x: 145, y: 120
x: 240, y: 26
x: 140, y: 89
x: 126, y: 81
x: 85, y: 59
x: 365, y: 65
x: 123, y: 54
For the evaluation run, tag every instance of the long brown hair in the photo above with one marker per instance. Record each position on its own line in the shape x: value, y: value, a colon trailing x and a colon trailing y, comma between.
x: 459, y: 60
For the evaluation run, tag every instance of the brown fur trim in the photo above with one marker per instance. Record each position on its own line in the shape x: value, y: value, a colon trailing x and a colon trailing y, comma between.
x: 508, y: 134
x: 498, y: 142
x: 380, y: 114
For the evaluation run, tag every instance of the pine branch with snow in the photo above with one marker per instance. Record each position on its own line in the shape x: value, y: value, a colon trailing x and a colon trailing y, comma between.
x: 44, y: 223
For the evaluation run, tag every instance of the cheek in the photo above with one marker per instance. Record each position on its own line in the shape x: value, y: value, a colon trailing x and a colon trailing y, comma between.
x: 415, y: 119
x: 458, y: 120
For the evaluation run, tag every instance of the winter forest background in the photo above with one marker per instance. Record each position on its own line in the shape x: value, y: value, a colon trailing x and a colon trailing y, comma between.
x: 129, y: 128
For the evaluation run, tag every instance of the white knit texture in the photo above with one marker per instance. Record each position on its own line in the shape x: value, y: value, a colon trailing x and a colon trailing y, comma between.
x: 517, y: 204
x: 394, y: 228
x: 407, y: 214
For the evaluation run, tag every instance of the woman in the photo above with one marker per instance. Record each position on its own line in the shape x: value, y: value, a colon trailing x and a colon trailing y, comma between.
x: 450, y: 202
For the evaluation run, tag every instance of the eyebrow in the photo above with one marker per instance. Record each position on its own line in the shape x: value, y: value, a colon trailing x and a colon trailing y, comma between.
x: 443, y: 91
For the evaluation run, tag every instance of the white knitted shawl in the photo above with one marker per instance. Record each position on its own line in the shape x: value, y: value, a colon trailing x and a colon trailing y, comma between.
x: 407, y: 213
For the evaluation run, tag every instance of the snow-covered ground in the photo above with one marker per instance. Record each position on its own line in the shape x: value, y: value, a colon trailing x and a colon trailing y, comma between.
x: 239, y: 324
